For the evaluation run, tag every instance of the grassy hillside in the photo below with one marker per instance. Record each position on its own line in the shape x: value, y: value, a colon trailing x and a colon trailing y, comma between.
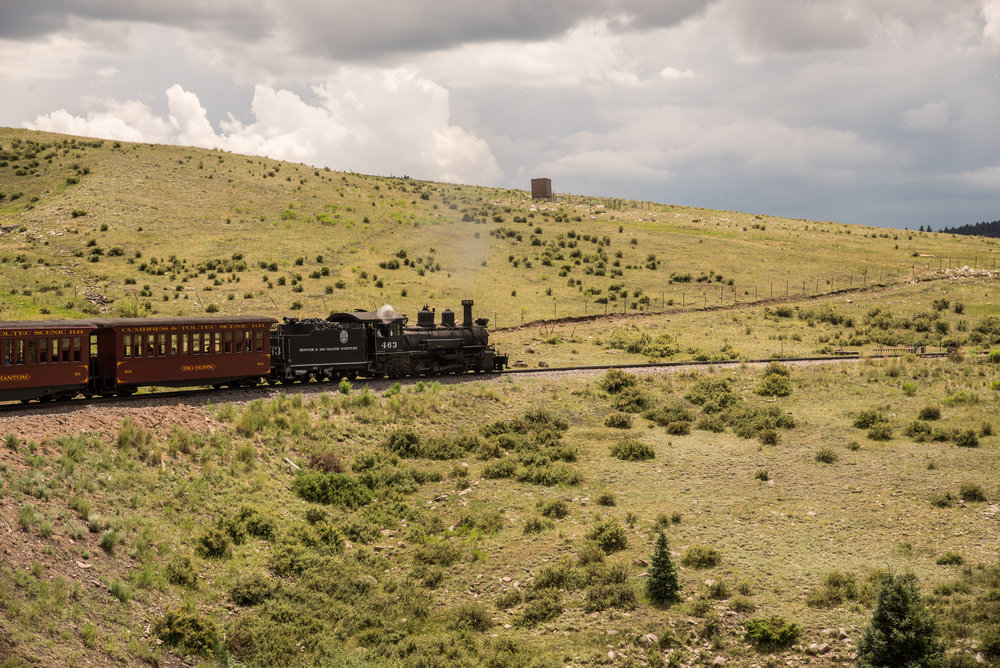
x: 507, y: 521
x: 136, y: 228
x: 414, y: 535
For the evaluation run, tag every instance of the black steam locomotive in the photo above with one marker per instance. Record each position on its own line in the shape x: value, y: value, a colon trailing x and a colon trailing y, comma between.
x: 381, y: 344
x: 58, y: 360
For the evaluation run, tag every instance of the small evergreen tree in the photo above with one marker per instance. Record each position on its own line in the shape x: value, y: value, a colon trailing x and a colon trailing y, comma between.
x: 662, y: 585
x: 901, y: 632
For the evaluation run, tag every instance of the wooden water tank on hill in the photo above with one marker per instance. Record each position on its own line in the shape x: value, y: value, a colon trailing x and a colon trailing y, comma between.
x: 541, y: 188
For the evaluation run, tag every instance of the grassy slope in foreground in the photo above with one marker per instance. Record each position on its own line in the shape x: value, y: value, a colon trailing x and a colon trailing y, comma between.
x: 440, y: 540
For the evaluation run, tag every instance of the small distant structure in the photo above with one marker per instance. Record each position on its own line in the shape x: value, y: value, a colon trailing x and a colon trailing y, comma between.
x: 541, y: 188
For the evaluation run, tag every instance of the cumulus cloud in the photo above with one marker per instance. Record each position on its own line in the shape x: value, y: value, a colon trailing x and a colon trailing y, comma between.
x: 589, y: 55
x: 375, y: 121
x: 933, y: 116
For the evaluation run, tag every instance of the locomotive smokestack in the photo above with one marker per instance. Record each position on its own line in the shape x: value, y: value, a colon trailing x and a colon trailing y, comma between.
x: 466, y: 313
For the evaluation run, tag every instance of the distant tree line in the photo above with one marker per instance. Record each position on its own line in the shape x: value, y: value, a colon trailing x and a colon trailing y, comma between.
x: 979, y: 229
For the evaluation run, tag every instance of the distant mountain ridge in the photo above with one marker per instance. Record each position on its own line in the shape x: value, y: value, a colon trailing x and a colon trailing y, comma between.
x: 991, y: 229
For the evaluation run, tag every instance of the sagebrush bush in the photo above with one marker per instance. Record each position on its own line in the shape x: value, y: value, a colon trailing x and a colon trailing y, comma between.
x: 669, y: 415
x: 966, y: 438
x: 189, y: 631
x: 616, y: 380
x: 337, y: 489
x: 250, y: 589
x: 618, y: 421
x: 544, y: 607
x: 701, y: 556
x: 774, y: 385
x: 213, y: 543
x: 556, y: 508
x: 630, y: 400
x: 609, y: 535
x: 631, y: 450
x: 180, y: 571
x: 880, y: 431
x: 826, y: 456
x: 971, y: 492
x: 770, y: 633
x: 869, y: 418
x: 712, y: 394
x: 930, y: 413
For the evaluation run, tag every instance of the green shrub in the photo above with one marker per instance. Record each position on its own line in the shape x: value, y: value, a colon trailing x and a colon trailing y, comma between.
x: 501, y: 468
x: 436, y: 551
x: 213, y: 543
x: 762, y: 475
x: 930, y: 413
x: 919, y: 431
x: 967, y: 438
x: 109, y: 539
x: 535, y: 525
x: 838, y: 587
x: 630, y: 450
x: 610, y: 595
x: 662, y: 585
x: 618, y: 421
x: 509, y: 598
x: 668, y: 415
x: 589, y: 552
x: 544, y: 607
x: 605, y: 498
x: 748, y: 421
x: 338, y: 489
x: 701, y: 556
x: 826, y: 456
x: 971, y: 492
x: 630, y: 400
x: 901, y: 631
x: 712, y: 423
x: 609, y: 535
x: 942, y: 500
x: 616, y: 380
x: 880, y: 431
x: 556, y: 508
x: 471, y: 615
x: 950, y: 559
x: 251, y: 589
x: 712, y: 394
x: 770, y: 633
x: 179, y: 570
x: 403, y: 442
x: 869, y: 418
x: 189, y: 631
x: 774, y: 385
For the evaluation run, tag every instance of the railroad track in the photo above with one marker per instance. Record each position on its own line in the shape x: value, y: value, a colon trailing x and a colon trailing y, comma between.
x: 261, y: 391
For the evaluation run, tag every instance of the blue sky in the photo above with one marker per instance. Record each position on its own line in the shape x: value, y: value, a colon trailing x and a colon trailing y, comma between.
x: 882, y: 112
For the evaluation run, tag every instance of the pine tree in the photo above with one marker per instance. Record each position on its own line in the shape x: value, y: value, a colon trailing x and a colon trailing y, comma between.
x: 901, y: 632
x: 662, y: 585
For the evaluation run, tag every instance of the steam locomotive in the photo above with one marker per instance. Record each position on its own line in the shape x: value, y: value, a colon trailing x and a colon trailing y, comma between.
x: 380, y: 344
x: 58, y: 360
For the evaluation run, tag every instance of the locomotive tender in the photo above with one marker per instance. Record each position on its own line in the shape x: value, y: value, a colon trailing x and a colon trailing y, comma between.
x: 53, y: 360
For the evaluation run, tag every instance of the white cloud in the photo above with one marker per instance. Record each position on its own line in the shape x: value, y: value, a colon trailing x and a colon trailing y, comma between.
x: 588, y: 55
x: 932, y: 117
x: 674, y: 74
x: 108, y: 72
x: 375, y: 121
x: 991, y: 15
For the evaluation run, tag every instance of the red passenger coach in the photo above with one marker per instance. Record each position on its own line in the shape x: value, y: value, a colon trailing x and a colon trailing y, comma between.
x: 44, y: 360
x: 180, y: 352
